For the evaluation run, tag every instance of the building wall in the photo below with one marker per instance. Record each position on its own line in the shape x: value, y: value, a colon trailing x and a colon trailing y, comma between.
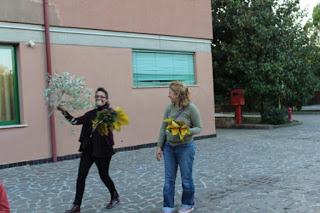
x: 31, y: 140
x: 112, y: 69
x: 93, y: 49
x: 188, y: 18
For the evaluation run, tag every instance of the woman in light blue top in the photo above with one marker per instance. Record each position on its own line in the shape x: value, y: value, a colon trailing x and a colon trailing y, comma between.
x: 178, y: 152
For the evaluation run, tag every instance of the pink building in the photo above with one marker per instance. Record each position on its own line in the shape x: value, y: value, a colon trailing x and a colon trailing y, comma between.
x: 131, y: 47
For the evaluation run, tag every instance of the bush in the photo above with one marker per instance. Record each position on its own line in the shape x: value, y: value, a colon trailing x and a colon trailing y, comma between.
x: 273, y: 115
x: 251, y: 120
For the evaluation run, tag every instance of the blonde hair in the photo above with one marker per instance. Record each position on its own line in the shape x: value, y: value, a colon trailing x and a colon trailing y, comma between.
x: 181, y: 91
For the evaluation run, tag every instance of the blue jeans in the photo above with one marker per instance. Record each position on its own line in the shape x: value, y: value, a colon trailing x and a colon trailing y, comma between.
x: 182, y: 156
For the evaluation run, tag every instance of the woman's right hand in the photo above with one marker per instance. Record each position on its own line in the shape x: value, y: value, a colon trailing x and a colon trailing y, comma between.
x: 60, y: 108
x: 158, y: 153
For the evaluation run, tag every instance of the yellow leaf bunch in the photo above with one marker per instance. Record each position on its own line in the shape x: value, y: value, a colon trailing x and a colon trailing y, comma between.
x: 101, y: 127
x: 177, y: 128
x: 110, y: 120
x: 121, y: 119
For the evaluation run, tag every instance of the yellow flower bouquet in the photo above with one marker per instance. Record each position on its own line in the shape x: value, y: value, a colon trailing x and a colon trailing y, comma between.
x: 177, y: 128
x: 109, y: 119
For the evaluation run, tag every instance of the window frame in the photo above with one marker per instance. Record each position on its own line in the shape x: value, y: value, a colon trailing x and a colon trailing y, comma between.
x: 163, y: 52
x: 16, y: 100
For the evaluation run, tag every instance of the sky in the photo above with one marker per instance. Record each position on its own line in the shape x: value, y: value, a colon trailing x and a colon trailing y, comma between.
x: 309, y: 5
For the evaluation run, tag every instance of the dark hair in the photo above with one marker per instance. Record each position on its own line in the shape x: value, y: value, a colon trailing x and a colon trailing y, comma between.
x: 101, y: 89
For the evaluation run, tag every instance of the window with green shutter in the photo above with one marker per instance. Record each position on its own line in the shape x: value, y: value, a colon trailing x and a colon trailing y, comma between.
x: 159, y: 68
x: 9, y: 101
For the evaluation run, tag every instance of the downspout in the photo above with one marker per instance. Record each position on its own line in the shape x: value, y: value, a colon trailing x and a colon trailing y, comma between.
x: 49, y: 71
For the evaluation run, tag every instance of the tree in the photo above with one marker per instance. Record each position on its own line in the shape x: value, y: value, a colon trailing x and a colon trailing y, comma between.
x: 260, y: 45
x: 316, y: 16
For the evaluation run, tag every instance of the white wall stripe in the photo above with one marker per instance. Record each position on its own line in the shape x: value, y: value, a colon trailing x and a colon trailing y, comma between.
x: 14, y: 32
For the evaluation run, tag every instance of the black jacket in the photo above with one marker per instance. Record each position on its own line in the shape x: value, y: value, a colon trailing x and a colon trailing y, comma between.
x: 92, y: 142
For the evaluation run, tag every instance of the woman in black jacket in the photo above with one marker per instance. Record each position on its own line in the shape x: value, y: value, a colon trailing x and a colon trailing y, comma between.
x: 94, y: 148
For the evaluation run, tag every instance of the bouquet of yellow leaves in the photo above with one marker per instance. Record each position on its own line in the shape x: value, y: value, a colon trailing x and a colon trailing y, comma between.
x: 121, y: 119
x: 109, y: 119
x: 177, y: 128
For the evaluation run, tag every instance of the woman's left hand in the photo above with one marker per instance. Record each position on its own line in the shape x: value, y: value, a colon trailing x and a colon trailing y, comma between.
x: 158, y: 153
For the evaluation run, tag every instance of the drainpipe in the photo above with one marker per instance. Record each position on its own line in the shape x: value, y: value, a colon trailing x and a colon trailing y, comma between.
x: 49, y: 71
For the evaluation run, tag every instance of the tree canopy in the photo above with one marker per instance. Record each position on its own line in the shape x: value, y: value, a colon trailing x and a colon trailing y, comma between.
x: 262, y: 47
x: 316, y: 16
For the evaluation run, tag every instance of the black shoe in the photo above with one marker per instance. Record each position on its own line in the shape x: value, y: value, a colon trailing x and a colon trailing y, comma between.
x: 113, y: 203
x: 74, y: 209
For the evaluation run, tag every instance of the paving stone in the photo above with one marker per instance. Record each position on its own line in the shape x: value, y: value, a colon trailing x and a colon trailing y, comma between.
x: 239, y: 171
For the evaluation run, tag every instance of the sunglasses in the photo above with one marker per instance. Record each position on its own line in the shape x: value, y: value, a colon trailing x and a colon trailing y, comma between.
x: 99, y: 96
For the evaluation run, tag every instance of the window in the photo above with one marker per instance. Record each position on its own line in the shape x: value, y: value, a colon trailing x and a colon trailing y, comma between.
x: 159, y: 68
x: 9, y: 103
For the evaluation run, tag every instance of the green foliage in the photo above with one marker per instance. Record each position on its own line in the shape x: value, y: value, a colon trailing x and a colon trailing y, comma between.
x: 273, y: 115
x: 68, y: 91
x: 104, y: 121
x: 316, y: 16
x: 107, y: 116
x: 261, y: 46
x: 312, y: 27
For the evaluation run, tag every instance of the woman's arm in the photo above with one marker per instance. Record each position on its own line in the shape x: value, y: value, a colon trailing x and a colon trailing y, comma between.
x: 74, y: 121
x: 162, y: 133
x: 195, y: 120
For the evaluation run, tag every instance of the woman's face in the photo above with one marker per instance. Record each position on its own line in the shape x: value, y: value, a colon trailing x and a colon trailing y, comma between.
x: 100, y: 98
x: 172, y: 96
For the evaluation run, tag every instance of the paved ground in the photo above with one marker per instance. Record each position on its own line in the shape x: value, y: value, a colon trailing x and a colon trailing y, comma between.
x: 240, y: 171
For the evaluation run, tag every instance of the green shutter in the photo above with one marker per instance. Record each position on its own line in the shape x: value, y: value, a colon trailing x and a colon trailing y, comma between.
x: 160, y: 68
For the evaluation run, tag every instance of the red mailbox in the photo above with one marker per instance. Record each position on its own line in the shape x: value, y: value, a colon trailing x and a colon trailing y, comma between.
x: 237, y: 100
x: 289, y: 114
x: 237, y: 97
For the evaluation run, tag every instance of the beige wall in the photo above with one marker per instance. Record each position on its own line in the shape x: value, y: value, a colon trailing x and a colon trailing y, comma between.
x: 101, y: 66
x: 112, y: 69
x: 187, y: 18
x: 31, y: 142
x: 108, y: 67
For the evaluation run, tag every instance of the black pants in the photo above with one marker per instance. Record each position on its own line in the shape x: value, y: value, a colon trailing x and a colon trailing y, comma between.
x: 86, y: 162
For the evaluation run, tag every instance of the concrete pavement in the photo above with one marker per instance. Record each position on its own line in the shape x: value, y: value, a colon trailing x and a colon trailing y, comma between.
x: 241, y: 171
